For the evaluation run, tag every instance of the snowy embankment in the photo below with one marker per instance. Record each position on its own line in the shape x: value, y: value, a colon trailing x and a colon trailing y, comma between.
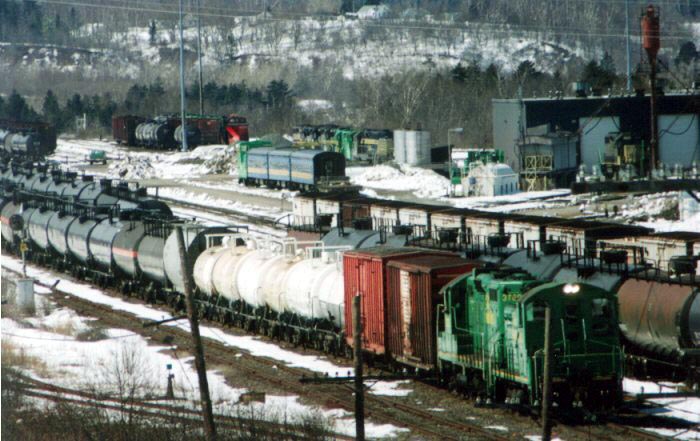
x: 72, y: 359
x: 687, y: 409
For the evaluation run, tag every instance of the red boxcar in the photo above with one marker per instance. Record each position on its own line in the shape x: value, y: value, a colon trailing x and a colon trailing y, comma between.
x: 365, y: 272
x: 413, y: 288
x: 124, y: 128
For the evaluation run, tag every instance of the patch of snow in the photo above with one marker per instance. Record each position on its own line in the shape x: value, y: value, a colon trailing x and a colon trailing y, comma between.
x: 499, y: 428
x: 390, y: 388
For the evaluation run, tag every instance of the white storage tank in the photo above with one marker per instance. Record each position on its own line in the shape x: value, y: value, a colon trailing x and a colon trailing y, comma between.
x: 417, y: 147
x: 399, y: 146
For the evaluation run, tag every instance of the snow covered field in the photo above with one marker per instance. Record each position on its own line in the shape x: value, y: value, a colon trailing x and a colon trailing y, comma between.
x: 68, y: 359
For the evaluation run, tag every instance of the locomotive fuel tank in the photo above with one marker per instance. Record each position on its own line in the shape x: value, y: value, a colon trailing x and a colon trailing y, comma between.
x: 660, y: 317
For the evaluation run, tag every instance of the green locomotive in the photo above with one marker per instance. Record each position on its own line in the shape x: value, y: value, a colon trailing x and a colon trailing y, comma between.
x: 491, y: 339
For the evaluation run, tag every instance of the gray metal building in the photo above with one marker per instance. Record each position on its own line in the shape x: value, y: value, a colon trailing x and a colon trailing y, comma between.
x: 590, y: 119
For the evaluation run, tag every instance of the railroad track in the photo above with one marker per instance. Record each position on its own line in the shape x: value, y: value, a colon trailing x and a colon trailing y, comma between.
x: 278, y: 375
x: 225, y: 212
x: 145, y: 408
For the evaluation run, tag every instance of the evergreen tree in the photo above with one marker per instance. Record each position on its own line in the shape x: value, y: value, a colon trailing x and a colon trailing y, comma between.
x: 278, y: 94
x: 75, y: 106
x: 17, y: 108
x: 51, y: 110
x: 687, y: 53
x: 607, y: 64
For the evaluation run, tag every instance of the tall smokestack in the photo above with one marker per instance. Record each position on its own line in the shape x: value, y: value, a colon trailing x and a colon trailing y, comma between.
x: 651, y: 43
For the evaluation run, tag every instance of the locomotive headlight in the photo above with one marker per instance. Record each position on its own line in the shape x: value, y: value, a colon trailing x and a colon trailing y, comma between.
x: 571, y: 288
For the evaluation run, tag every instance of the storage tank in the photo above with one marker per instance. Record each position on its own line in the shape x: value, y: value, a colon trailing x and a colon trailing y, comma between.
x: 660, y: 317
x: 417, y: 147
x: 399, y: 146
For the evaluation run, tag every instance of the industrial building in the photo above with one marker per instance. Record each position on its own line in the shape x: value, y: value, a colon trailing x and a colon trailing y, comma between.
x: 546, y: 139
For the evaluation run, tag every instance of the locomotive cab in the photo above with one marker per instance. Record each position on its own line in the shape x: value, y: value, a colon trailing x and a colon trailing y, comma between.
x: 491, y: 339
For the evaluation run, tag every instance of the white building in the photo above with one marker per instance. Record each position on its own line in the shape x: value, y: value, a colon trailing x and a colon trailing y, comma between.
x: 372, y: 12
x: 490, y: 180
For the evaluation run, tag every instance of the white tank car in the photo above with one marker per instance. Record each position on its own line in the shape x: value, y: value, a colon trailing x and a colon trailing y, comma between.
x: 247, y: 276
x: 313, y: 287
x: 203, y: 271
x: 272, y: 276
x: 223, y: 274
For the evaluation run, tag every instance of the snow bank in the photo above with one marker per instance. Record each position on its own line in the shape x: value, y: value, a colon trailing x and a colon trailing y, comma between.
x: 422, y: 182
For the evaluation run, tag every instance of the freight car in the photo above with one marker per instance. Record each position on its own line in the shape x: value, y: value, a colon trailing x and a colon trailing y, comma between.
x: 124, y: 128
x: 34, y: 140
x: 284, y: 289
x: 164, y: 132
x: 290, y: 168
x: 491, y: 335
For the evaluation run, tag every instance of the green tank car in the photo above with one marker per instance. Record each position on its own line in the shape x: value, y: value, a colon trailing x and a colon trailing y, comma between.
x: 491, y: 339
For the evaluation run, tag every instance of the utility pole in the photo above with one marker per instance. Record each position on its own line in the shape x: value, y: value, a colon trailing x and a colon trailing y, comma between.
x: 207, y: 412
x: 627, y: 38
x: 359, y: 386
x: 199, y: 55
x: 182, y: 84
x: 547, y: 380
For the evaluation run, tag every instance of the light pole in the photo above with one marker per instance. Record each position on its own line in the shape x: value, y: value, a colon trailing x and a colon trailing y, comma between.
x: 449, y: 156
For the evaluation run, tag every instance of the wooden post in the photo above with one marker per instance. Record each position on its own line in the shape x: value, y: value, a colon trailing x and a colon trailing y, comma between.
x: 207, y: 413
x: 359, y: 386
x: 547, y: 380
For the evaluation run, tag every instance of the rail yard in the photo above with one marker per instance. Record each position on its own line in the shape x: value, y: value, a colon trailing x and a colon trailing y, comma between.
x: 282, y: 267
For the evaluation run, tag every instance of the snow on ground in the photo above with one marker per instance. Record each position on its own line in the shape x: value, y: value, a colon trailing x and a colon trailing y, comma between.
x: 183, y: 195
x: 427, y: 184
x: 687, y: 409
x: 254, y: 345
x: 122, y: 356
x: 423, y: 183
